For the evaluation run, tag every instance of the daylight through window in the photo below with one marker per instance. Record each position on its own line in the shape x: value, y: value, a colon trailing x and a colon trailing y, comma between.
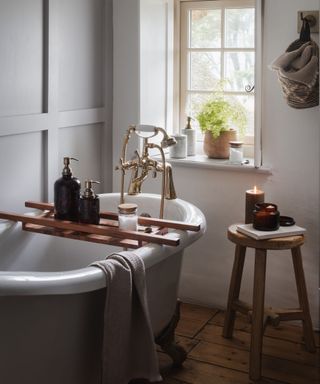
x: 217, y: 48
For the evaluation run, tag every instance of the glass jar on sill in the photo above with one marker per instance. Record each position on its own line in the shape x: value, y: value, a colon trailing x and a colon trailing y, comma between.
x: 236, y: 152
x: 128, y: 219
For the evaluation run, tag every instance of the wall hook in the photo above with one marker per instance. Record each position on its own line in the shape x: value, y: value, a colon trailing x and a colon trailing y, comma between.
x: 312, y: 17
x: 309, y: 18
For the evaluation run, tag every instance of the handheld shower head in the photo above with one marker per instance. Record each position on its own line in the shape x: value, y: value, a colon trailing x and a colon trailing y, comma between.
x: 168, y: 142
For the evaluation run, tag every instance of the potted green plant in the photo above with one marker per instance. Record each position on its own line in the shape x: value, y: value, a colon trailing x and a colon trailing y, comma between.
x: 215, y: 119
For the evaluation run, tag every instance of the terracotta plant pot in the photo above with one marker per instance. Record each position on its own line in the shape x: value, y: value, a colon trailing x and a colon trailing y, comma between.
x: 218, y: 148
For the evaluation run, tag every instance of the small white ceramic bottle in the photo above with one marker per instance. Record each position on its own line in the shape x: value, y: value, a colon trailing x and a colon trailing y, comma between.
x: 191, y: 138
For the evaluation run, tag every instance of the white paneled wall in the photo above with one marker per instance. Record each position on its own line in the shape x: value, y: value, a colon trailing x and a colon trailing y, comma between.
x: 55, y: 94
x: 21, y: 58
x: 22, y: 170
x: 80, y: 68
x: 84, y: 142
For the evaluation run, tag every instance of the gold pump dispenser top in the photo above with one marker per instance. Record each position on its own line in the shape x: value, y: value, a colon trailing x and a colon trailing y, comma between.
x: 188, y: 125
x: 88, y: 190
x: 67, y: 171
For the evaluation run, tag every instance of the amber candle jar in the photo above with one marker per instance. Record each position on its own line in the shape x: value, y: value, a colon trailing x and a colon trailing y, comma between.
x: 266, y: 217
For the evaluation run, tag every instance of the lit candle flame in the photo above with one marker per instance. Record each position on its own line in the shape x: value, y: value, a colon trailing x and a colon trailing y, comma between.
x: 255, y: 189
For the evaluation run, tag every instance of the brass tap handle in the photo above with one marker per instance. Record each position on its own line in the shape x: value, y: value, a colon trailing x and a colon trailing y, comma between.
x: 118, y: 167
x: 155, y: 172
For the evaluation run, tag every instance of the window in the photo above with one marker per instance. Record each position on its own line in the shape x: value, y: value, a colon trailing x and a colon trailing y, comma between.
x: 218, y: 51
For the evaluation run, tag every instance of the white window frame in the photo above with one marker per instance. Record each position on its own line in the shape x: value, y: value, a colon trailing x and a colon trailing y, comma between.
x: 178, y: 118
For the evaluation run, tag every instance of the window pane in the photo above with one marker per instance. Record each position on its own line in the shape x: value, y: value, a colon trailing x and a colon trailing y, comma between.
x: 220, y: 45
x: 196, y: 100
x: 205, y: 70
x: 248, y: 102
x: 239, y: 28
x: 205, y: 28
x: 239, y: 70
x: 194, y: 103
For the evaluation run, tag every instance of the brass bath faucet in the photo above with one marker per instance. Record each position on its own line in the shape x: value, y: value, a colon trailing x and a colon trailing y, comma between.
x: 143, y: 163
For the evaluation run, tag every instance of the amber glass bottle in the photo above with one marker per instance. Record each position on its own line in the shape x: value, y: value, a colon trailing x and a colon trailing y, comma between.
x: 89, y: 212
x: 67, y: 194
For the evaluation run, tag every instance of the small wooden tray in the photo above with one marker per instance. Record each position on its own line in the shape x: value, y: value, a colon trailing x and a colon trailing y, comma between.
x: 107, y: 232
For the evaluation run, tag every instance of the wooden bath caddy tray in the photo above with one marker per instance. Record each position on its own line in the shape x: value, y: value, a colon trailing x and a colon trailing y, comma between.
x: 107, y: 232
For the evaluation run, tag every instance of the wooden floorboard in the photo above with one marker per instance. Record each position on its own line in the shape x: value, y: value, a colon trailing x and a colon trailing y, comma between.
x: 282, y: 349
x: 285, y: 331
x: 198, y: 372
x: 213, y: 359
x: 193, y: 319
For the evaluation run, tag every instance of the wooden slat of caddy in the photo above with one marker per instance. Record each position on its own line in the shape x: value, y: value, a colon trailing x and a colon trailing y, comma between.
x: 90, y: 228
x: 92, y: 238
x: 146, y: 221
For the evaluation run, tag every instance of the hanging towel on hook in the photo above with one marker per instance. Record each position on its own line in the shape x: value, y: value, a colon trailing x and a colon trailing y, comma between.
x: 298, y: 71
x: 301, y: 65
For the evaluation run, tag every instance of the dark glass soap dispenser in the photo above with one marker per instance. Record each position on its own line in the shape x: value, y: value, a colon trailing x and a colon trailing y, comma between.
x: 89, y: 204
x: 67, y: 194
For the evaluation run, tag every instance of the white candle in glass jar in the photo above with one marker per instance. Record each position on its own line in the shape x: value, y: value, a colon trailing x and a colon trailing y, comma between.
x: 236, y: 152
x: 128, y: 219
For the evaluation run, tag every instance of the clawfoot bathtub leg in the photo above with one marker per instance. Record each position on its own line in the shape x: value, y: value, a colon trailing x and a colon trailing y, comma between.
x: 167, y: 342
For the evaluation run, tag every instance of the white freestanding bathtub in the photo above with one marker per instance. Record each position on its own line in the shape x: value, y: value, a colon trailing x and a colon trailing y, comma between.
x: 52, y: 301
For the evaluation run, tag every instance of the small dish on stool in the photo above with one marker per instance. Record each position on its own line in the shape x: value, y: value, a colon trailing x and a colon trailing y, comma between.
x: 286, y: 221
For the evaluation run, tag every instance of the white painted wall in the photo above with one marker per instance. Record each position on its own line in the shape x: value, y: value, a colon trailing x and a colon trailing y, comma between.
x: 140, y: 70
x: 55, y: 95
x: 290, y: 146
x: 126, y: 72
x: 152, y: 52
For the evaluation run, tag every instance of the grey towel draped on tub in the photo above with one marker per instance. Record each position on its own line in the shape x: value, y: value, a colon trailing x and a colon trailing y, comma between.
x: 128, y: 343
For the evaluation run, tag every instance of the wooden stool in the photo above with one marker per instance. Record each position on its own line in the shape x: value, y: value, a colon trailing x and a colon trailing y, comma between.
x: 259, y: 317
